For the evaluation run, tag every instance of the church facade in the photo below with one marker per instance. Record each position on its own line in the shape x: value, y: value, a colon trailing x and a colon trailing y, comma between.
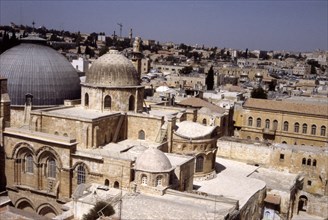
x: 102, y: 139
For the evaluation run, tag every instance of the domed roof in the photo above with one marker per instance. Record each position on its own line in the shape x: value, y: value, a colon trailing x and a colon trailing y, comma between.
x: 258, y: 74
x: 153, y: 160
x: 112, y: 69
x: 41, y: 71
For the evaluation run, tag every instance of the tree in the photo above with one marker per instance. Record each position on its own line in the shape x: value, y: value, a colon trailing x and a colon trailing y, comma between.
x: 259, y: 93
x: 186, y: 70
x: 105, y: 208
x: 79, y: 50
x: 103, y: 50
x: 210, y: 79
x: 313, y: 70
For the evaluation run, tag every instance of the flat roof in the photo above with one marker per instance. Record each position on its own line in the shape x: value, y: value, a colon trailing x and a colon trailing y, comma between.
x: 79, y: 112
x: 168, y: 206
x: 282, y: 181
x: 232, y: 181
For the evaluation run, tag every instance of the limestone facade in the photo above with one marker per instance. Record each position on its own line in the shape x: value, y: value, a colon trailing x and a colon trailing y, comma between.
x: 310, y: 162
x: 282, y: 122
x: 98, y: 140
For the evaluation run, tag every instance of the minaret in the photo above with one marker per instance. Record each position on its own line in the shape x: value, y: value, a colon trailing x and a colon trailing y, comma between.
x: 137, y: 55
x: 130, y: 37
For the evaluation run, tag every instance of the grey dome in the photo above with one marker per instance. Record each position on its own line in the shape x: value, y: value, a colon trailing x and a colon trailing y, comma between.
x: 153, y: 160
x: 112, y: 69
x: 41, y: 71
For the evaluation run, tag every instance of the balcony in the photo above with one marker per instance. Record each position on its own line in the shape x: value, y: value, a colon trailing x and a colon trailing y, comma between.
x: 268, y: 131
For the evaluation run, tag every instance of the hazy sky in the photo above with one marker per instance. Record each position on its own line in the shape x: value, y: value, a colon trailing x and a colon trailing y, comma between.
x: 259, y: 24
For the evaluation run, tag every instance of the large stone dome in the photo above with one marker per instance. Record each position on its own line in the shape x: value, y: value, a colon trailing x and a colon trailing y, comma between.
x: 32, y: 68
x: 153, y: 160
x: 112, y: 70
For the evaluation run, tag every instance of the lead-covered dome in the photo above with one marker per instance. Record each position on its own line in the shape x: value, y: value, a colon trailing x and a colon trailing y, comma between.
x: 153, y: 160
x: 33, y: 68
x: 112, y: 69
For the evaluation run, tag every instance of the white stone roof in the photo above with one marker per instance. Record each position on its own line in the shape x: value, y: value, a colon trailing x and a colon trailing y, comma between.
x: 153, y: 160
x: 190, y: 129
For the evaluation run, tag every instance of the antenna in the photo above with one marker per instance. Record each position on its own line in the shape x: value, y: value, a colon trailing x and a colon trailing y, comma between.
x: 121, y: 25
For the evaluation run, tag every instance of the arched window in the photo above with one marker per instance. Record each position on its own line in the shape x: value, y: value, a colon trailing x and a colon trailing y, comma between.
x: 144, y: 180
x: 141, y: 135
x: 303, y: 161
x: 250, y: 121
x: 116, y: 185
x: 131, y: 103
x: 286, y: 126
x: 80, y: 174
x: 313, y: 129
x: 107, y: 102
x: 106, y: 182
x: 275, y: 125
x: 204, y: 121
x: 296, y: 127
x: 284, y: 142
x: 309, y: 162
x: 51, y: 168
x: 159, y: 180
x: 257, y: 139
x: 267, y: 123
x: 258, y: 122
x: 199, y: 163
x: 323, y: 131
x: 304, y: 130
x: 86, y: 99
x: 29, y: 163
x: 314, y: 163
x: 249, y: 137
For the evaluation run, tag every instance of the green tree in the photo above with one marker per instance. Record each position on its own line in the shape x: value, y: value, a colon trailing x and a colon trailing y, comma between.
x: 105, y: 208
x: 103, y: 50
x: 210, y: 79
x: 313, y: 70
x: 79, y: 50
x: 186, y: 70
x: 259, y: 93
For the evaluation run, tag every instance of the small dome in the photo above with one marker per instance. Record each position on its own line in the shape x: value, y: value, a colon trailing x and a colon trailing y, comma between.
x: 153, y: 160
x: 258, y: 74
x: 33, y: 68
x: 112, y: 69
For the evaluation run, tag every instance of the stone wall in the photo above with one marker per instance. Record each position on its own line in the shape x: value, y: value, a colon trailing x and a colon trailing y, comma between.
x: 151, y: 126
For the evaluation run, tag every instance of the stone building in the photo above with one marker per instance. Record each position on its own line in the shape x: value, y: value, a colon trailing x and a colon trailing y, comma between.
x: 308, y: 162
x: 286, y: 122
x: 105, y: 138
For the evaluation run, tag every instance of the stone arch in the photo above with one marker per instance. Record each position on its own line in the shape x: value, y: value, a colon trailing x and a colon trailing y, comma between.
x: 200, y: 163
x: 116, y: 185
x: 86, y: 99
x: 20, y: 147
x: 47, y: 210
x: 302, y: 203
x: 80, y: 163
x: 144, y: 179
x: 45, y: 152
x: 107, y: 102
x: 159, y: 180
x: 141, y: 135
x: 106, y: 182
x: 204, y: 121
x: 25, y: 204
x: 131, y: 103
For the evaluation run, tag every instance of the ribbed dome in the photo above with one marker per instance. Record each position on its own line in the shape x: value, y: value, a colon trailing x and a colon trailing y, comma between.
x: 41, y: 71
x: 112, y: 69
x: 153, y: 160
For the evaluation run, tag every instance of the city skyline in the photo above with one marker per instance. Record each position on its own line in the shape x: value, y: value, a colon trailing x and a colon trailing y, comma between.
x: 265, y: 25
